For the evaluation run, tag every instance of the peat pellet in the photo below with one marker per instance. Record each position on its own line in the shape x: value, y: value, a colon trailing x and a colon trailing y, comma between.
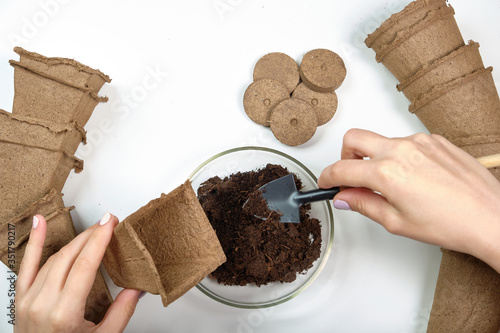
x: 322, y: 70
x: 293, y: 121
x: 280, y: 67
x: 324, y: 104
x: 260, y: 97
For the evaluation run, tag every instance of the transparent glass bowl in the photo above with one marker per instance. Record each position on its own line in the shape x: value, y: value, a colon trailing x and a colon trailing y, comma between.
x: 248, y: 159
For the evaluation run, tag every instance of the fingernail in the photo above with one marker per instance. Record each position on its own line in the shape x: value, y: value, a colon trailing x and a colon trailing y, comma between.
x: 105, y: 219
x: 341, y: 204
x: 142, y: 293
x: 35, y: 222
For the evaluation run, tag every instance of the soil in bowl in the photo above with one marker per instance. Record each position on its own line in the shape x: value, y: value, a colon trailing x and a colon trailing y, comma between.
x: 258, y: 251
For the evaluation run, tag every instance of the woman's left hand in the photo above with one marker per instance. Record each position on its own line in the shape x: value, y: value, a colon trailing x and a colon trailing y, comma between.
x: 53, y: 298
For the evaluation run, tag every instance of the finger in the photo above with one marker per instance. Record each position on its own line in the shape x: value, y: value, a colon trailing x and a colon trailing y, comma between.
x: 120, y: 312
x: 40, y: 279
x: 361, y: 143
x: 353, y: 173
x: 368, y: 203
x: 51, y: 278
x: 32, y: 255
x: 82, y: 274
x: 62, y: 261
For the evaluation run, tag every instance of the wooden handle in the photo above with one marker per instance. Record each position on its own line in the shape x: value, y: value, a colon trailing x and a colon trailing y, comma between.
x: 490, y: 161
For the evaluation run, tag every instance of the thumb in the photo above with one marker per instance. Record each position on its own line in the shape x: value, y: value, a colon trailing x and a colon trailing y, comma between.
x: 120, y: 312
x: 364, y: 201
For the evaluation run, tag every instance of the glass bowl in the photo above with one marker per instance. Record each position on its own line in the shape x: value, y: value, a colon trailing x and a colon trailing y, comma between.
x: 248, y: 159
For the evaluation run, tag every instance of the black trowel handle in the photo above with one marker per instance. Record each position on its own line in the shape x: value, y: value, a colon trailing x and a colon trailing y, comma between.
x: 315, y: 195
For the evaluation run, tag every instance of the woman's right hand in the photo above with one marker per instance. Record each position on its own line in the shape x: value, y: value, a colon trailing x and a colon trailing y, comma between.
x: 422, y: 187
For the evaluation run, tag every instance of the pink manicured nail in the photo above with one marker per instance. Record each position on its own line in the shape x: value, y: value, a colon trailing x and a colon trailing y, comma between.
x: 105, y: 219
x: 35, y: 222
x: 341, y: 204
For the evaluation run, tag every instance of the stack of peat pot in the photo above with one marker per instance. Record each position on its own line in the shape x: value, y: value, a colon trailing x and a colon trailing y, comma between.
x: 54, y: 98
x: 454, y: 95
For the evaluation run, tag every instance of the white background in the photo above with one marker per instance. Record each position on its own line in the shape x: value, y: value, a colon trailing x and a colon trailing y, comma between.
x: 154, y: 132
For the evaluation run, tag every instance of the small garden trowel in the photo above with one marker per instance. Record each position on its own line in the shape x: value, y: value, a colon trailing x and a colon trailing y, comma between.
x: 283, y: 197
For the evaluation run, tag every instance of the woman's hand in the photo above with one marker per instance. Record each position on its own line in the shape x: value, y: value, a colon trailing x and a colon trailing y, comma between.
x: 422, y: 187
x: 53, y: 299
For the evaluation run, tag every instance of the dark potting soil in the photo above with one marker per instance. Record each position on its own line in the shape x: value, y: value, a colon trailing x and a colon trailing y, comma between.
x: 258, y: 251
x: 257, y: 206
